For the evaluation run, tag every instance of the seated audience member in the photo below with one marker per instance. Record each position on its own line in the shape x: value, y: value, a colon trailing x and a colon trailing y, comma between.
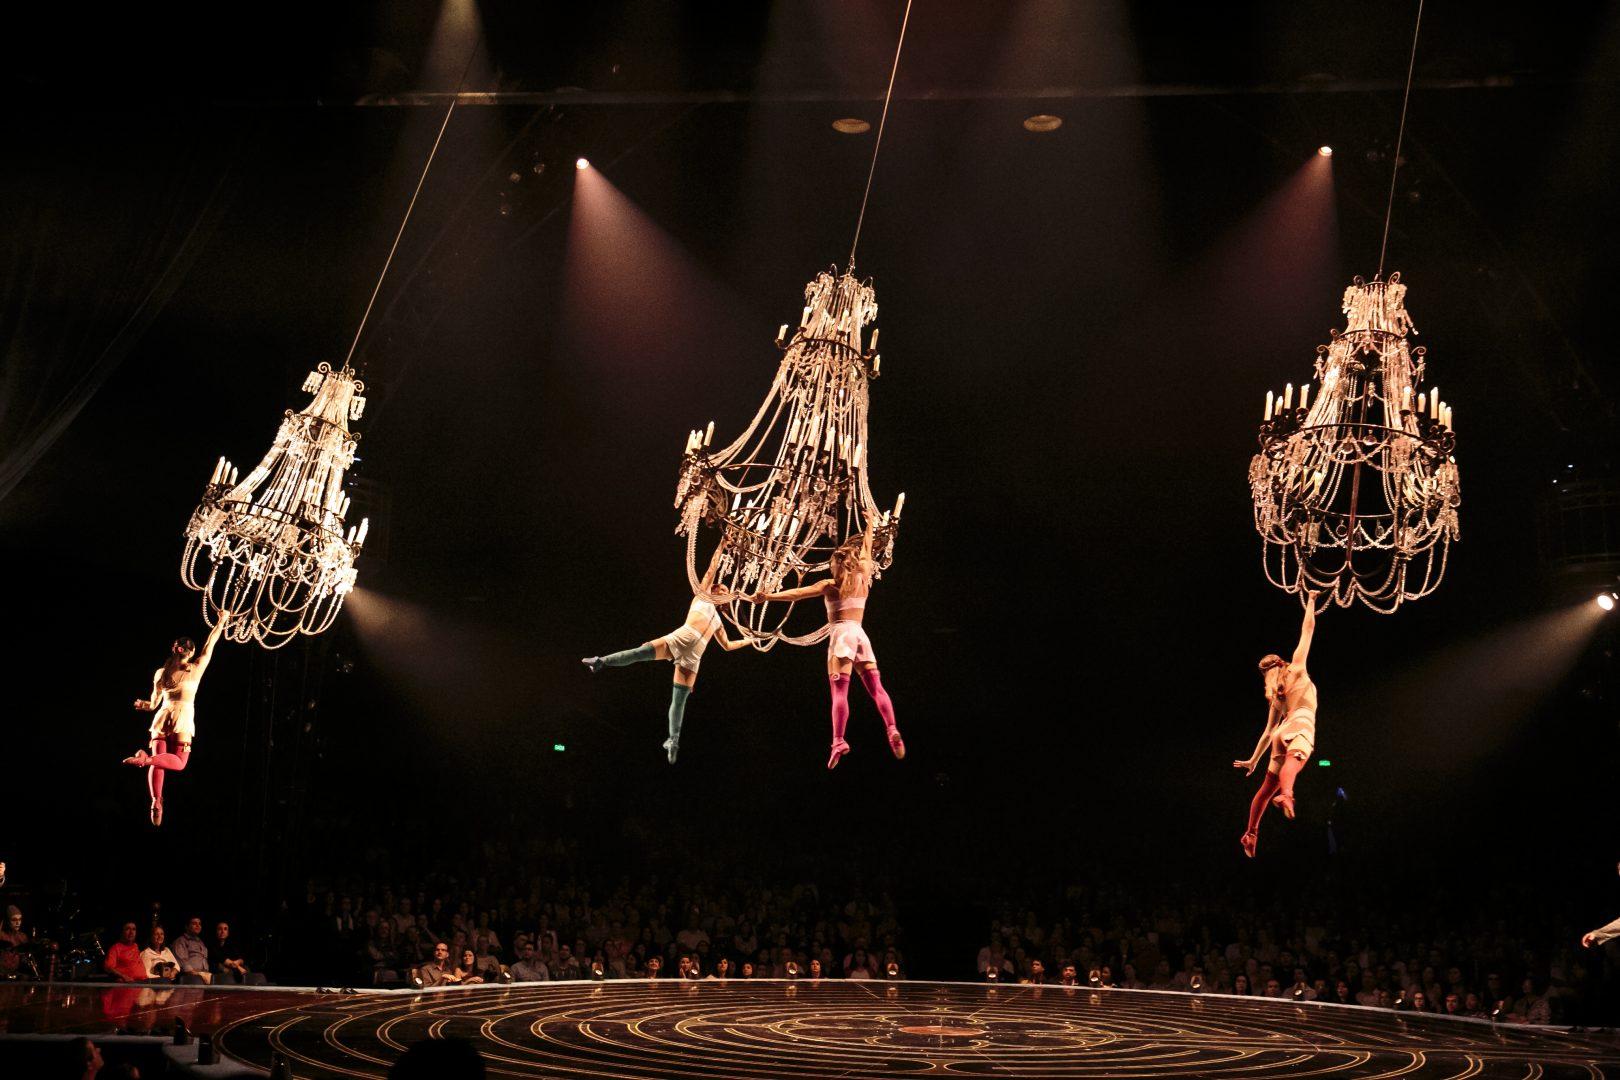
x: 1530, y: 1007
x: 12, y: 939
x: 225, y: 960
x: 467, y: 970
x: 530, y: 968
x: 437, y: 971
x: 379, y: 953
x: 124, y: 957
x: 192, y: 952
x: 158, y: 961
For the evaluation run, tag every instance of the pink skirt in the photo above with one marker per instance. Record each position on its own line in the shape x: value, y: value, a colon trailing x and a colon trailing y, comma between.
x: 848, y: 641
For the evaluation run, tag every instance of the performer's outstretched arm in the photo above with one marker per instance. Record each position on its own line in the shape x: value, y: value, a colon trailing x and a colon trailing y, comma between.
x: 804, y: 592
x: 1602, y: 934
x: 1260, y: 748
x: 1307, y: 628
x: 207, y: 653
x: 155, y: 702
x: 729, y: 645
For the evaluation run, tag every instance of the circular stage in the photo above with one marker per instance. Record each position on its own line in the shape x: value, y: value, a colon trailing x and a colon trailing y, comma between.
x: 773, y: 1029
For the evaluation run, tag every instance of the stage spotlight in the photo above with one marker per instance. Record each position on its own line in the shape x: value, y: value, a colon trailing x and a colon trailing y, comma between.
x: 792, y: 970
x: 506, y: 974
x: 1197, y: 983
x: 416, y: 978
x: 893, y: 970
x: 851, y: 125
x: 581, y: 164
x: 1095, y: 976
x: 1605, y: 601
x: 992, y: 973
x: 1042, y: 122
x: 514, y: 177
x: 1325, y: 151
x: 596, y: 971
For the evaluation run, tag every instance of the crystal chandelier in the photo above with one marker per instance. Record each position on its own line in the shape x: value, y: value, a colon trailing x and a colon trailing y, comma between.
x: 1356, y: 489
x: 272, y: 549
x: 793, y: 485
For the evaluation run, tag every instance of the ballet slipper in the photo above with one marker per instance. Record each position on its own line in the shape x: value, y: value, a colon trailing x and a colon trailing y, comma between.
x: 839, y: 749
x: 139, y: 758
x: 593, y: 664
x: 897, y: 744
x: 157, y: 811
x: 672, y: 745
x: 1284, y: 801
x: 1248, y: 841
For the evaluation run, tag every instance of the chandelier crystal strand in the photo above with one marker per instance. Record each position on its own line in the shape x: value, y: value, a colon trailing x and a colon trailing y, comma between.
x: 273, y: 549
x: 1356, y: 495
x: 793, y: 485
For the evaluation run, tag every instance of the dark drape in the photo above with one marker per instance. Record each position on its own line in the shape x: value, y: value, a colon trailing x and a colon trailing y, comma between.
x: 89, y: 264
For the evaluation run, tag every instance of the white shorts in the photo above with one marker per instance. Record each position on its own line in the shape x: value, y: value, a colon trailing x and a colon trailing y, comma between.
x: 175, y: 720
x: 686, y: 647
x: 848, y: 641
x: 1295, y: 735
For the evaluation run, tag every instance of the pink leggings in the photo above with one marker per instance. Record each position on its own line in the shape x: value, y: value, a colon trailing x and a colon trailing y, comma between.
x: 163, y: 761
x: 840, y: 700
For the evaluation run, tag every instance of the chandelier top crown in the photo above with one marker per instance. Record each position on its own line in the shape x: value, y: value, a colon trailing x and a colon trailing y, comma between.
x: 838, y: 307
x: 1377, y: 306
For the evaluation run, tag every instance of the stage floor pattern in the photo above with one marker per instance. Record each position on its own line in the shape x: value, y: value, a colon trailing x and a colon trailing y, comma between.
x: 766, y: 1028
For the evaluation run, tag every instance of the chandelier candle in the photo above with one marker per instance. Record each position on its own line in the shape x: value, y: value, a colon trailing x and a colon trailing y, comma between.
x: 1355, y: 494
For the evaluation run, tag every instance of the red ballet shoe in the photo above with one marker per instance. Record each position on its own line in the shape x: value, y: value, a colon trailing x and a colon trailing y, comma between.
x: 897, y: 744
x: 839, y: 749
x: 157, y: 811
x: 1248, y: 841
x: 139, y: 758
x: 1284, y: 801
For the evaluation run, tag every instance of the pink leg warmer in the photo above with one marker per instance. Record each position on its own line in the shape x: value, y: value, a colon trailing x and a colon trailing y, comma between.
x: 840, y: 705
x: 880, y: 697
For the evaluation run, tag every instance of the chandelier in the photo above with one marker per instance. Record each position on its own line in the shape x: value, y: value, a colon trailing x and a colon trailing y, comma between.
x: 1355, y: 488
x: 793, y: 485
x: 272, y: 549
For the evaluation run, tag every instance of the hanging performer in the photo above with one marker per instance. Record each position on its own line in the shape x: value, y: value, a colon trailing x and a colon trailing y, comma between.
x: 848, y: 646
x: 683, y: 646
x: 1290, y: 733
x: 174, y: 690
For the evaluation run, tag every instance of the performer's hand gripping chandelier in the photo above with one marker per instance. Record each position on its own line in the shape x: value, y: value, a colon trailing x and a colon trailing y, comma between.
x: 273, y: 549
x: 270, y: 549
x: 1356, y: 490
x: 793, y: 485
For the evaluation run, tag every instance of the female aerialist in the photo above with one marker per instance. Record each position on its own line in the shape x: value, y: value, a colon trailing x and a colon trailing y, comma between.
x: 848, y: 646
x: 1290, y: 733
x: 174, y: 689
x: 683, y: 646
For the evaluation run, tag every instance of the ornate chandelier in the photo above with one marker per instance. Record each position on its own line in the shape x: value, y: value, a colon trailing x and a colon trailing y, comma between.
x: 1356, y: 489
x: 270, y: 549
x: 793, y: 485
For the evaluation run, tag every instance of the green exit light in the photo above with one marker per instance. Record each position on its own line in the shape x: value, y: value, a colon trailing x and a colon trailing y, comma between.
x: 559, y: 747
x: 1324, y: 763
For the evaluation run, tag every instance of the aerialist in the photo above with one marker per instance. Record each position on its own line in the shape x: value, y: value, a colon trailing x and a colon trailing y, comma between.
x: 1290, y: 733
x: 683, y: 646
x: 848, y: 646
x: 174, y: 690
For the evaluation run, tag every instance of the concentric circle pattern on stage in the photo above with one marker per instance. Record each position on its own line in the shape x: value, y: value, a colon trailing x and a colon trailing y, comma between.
x: 863, y: 1029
